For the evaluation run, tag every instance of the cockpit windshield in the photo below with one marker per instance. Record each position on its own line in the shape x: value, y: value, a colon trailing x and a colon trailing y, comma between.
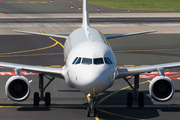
x: 87, y: 61
x: 106, y: 61
x: 109, y: 60
x: 98, y: 61
x: 78, y: 61
x: 95, y: 61
x: 75, y: 60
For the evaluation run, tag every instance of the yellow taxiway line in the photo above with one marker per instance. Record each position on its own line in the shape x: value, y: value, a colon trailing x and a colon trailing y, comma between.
x: 2, y: 13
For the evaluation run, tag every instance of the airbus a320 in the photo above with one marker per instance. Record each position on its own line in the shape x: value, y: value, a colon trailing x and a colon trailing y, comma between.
x: 90, y: 67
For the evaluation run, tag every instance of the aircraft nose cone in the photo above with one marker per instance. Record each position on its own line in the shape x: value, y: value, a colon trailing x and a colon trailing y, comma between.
x: 92, y: 80
x: 89, y: 76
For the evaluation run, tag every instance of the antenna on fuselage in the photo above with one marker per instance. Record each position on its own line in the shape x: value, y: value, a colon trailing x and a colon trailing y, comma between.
x: 85, y: 21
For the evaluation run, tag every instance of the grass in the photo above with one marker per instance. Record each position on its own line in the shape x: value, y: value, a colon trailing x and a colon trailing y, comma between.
x: 140, y: 5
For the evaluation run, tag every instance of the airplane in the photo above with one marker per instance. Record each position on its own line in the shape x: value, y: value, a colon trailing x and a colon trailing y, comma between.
x: 90, y: 67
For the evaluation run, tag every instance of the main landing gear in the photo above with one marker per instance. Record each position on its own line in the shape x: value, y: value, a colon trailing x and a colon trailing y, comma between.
x: 47, y: 98
x: 91, y: 109
x: 139, y: 98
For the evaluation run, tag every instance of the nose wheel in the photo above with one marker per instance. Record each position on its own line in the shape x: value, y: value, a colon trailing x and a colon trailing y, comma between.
x: 90, y: 109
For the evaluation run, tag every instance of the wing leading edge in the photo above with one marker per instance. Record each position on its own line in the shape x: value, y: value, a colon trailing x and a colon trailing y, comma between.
x: 56, y: 72
x: 123, y: 72
x: 42, y: 34
x: 128, y: 34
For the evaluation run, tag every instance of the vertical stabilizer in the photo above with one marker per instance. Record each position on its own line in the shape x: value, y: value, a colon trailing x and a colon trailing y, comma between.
x: 85, y: 14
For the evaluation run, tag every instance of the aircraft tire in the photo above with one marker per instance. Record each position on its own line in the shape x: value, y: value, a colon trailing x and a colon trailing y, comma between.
x: 36, y: 99
x: 47, y: 99
x: 141, y: 99
x: 129, y: 99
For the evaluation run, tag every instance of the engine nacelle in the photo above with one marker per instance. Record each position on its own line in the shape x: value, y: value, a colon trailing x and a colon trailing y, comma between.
x: 17, y: 88
x: 161, y: 88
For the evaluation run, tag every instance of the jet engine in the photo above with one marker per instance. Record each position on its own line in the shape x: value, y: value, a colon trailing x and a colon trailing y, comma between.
x: 17, y: 88
x: 161, y: 88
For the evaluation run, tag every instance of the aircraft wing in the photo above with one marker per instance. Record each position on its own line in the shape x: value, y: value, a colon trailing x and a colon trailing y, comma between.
x: 42, y: 34
x: 123, y: 72
x: 128, y: 34
x: 56, y: 72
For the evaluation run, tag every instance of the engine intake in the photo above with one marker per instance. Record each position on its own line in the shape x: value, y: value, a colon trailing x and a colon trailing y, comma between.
x: 161, y: 88
x: 17, y: 88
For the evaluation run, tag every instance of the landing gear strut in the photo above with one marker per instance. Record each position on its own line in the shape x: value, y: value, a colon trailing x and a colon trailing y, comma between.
x: 139, y: 98
x: 47, y: 98
x: 90, y: 108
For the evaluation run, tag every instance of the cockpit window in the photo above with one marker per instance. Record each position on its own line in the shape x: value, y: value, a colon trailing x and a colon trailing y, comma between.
x: 106, y: 61
x: 109, y: 60
x: 75, y: 60
x: 87, y: 61
x: 98, y: 61
x: 78, y: 61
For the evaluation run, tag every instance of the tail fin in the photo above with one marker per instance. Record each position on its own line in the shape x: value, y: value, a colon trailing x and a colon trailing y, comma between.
x: 85, y: 20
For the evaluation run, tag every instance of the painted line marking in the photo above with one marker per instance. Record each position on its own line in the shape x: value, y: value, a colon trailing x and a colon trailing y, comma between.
x: 56, y: 66
x: 30, y: 50
x: 128, y: 65
x: 2, y: 13
x: 96, y: 118
x: 53, y: 39
x: 10, y: 106
x: 56, y: 43
x: 32, y: 2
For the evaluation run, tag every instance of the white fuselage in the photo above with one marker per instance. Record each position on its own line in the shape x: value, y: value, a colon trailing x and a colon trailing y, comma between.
x: 90, y: 62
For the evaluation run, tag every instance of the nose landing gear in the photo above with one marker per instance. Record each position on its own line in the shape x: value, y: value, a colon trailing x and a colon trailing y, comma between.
x: 91, y: 109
